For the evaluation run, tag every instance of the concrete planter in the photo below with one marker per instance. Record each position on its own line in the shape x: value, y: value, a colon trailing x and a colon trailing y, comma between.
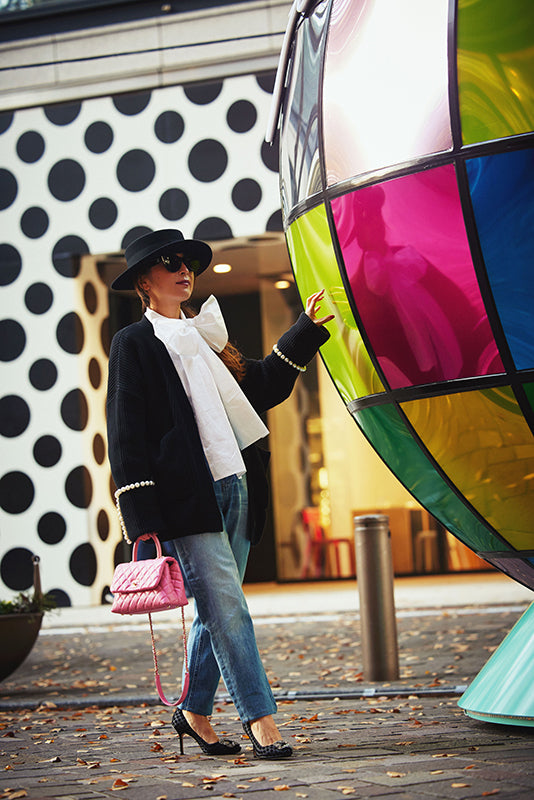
x: 18, y: 633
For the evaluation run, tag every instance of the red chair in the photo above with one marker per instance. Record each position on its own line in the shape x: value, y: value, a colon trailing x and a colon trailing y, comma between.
x: 316, y: 560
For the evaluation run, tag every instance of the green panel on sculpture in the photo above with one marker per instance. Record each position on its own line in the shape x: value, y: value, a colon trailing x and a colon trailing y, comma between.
x: 315, y: 267
x: 394, y: 442
x: 529, y: 391
x: 495, y: 68
x: 484, y: 445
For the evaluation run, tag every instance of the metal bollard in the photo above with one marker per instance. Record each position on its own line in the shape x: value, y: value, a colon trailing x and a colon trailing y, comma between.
x: 374, y: 572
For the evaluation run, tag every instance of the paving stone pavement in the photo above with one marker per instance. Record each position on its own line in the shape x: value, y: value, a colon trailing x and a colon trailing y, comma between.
x: 79, y: 718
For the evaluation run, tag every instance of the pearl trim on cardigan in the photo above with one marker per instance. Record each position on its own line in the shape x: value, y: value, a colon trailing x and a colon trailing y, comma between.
x: 118, y: 493
x: 287, y: 360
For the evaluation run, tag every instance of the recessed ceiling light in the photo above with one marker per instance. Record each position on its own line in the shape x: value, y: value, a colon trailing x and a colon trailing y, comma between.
x: 282, y: 284
x: 221, y: 268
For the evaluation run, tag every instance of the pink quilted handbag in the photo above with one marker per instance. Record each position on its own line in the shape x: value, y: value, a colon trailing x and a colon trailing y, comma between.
x: 141, y: 587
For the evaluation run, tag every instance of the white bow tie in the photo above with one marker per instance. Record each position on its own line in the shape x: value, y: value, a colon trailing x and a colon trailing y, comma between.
x: 182, y: 335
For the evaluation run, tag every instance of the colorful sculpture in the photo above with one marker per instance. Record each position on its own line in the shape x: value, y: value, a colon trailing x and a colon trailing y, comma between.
x: 406, y: 167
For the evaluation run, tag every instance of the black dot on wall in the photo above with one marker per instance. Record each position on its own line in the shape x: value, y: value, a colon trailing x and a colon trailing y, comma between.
x: 82, y: 564
x: 34, y: 222
x: 69, y: 333
x: 274, y: 223
x: 203, y: 93
x: 133, y: 234
x: 105, y: 336
x: 66, y: 179
x: 66, y: 255
x: 6, y: 118
x: 98, y: 137
x: 169, y: 127
x: 90, y: 297
x: 75, y: 410
x: 208, y: 160
x: 99, y: 449
x: 241, y: 116
x: 38, y: 298
x: 30, y: 147
x: 102, y: 213
x: 43, y: 374
x: 246, y: 194
x: 47, y: 451
x: 60, y: 597
x: 269, y: 155
x: 62, y: 113
x: 121, y: 553
x: 16, y: 569
x: 173, y: 204
x: 213, y: 228
x: 131, y: 104
x: 95, y: 373
x: 10, y: 264
x: 14, y: 415
x: 12, y: 339
x: 79, y: 487
x: 16, y: 492
x: 102, y: 524
x: 51, y: 527
x: 266, y: 81
x: 8, y: 188
x: 136, y: 170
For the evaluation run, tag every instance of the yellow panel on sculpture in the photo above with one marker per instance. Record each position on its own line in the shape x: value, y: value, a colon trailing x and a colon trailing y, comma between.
x: 310, y: 246
x: 483, y: 444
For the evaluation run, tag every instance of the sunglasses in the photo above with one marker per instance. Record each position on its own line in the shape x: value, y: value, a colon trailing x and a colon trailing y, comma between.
x: 173, y: 262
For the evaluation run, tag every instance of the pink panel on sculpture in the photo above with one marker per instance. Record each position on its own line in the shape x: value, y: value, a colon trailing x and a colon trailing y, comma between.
x: 385, y: 94
x: 412, y: 278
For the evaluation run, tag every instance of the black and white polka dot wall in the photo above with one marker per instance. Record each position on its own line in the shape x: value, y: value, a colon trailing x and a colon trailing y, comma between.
x: 86, y: 178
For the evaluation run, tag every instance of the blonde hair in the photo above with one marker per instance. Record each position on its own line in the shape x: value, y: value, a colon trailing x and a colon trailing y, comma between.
x: 230, y: 356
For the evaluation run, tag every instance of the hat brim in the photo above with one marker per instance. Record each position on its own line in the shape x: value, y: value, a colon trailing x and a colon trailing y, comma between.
x: 193, y: 248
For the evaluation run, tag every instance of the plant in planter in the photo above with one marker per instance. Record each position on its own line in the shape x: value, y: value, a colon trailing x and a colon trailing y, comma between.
x: 20, y: 623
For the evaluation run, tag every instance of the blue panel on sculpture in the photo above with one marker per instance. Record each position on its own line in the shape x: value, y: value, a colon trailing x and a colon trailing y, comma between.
x: 503, y: 203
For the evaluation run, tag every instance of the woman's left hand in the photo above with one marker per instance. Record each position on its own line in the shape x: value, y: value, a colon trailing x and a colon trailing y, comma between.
x: 313, y: 306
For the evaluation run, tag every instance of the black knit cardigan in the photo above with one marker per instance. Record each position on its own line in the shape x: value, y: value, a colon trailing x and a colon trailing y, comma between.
x: 153, y: 436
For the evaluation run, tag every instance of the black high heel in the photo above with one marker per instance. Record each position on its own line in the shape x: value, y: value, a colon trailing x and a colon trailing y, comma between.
x: 224, y: 747
x: 269, y: 751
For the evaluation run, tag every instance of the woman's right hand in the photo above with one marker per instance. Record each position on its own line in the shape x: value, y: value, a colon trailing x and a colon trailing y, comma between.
x: 312, y: 307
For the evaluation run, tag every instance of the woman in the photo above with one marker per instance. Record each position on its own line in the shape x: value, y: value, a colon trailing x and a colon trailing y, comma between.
x: 183, y: 429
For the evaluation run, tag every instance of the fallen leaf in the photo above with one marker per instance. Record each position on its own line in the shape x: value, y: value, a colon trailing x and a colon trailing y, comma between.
x: 396, y: 774
x: 490, y: 792
x: 119, y: 784
x: 460, y: 785
x: 281, y: 787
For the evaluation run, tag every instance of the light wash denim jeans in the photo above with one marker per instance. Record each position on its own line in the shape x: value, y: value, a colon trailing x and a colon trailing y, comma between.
x: 221, y: 638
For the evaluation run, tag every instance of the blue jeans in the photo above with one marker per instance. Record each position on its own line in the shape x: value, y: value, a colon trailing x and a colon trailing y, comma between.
x: 221, y: 639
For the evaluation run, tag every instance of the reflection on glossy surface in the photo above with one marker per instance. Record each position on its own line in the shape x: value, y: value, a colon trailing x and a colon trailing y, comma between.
x: 395, y: 444
x: 484, y: 445
x: 299, y: 162
x: 412, y: 278
x: 503, y: 203
x: 385, y: 85
x: 348, y: 362
x: 495, y: 68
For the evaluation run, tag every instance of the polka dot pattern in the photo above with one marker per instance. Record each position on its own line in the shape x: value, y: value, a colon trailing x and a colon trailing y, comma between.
x: 84, y: 178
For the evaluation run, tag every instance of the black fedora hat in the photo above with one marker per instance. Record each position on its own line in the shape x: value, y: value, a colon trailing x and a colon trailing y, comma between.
x: 144, y: 251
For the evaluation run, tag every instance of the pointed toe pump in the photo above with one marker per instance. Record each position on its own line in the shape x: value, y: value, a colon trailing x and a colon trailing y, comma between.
x: 224, y: 747
x: 269, y: 751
